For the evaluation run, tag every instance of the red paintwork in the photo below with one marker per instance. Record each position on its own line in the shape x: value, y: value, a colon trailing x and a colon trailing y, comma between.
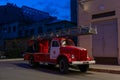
x: 81, y: 55
x: 44, y: 46
x: 67, y: 51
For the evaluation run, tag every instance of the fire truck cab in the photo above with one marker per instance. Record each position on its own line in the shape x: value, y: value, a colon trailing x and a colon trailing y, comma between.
x: 58, y: 51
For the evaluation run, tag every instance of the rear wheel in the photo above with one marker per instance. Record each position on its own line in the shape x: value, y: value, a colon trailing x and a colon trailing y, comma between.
x: 83, y: 68
x: 63, y: 65
x: 32, y: 63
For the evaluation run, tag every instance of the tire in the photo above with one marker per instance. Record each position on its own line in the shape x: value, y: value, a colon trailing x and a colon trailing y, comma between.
x: 32, y: 63
x: 83, y: 68
x: 63, y: 66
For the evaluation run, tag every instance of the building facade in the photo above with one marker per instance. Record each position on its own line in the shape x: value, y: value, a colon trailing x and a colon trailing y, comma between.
x: 73, y: 7
x: 33, y: 14
x: 105, y: 16
x: 21, y: 22
x: 31, y: 23
x: 10, y: 13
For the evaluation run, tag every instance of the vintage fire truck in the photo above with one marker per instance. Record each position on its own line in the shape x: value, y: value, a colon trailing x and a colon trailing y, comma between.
x: 58, y: 49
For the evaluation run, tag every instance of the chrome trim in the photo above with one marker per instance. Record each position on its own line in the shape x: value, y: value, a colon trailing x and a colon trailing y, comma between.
x: 82, y: 62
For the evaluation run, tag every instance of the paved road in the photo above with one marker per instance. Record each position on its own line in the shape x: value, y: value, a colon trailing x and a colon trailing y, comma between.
x: 20, y: 70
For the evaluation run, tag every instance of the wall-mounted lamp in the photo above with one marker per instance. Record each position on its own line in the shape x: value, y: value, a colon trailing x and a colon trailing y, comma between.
x: 82, y: 2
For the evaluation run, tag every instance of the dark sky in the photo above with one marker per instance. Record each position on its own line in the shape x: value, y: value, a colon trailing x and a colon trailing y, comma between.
x: 59, y: 8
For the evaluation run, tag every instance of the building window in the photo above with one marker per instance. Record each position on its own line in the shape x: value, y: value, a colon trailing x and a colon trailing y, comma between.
x: 5, y: 10
x: 20, y: 33
x: 0, y: 29
x: 31, y: 31
x: 58, y: 28
x: 14, y: 28
x: 26, y: 32
x: 9, y: 29
x: 49, y: 30
x: 40, y: 30
x: 102, y: 15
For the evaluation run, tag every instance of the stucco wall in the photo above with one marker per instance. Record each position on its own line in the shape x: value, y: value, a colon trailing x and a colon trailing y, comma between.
x: 95, y: 7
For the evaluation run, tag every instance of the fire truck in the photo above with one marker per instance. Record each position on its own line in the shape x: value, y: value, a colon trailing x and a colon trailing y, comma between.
x: 57, y: 48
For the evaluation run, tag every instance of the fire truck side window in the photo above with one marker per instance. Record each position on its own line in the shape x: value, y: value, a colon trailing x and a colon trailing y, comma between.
x: 55, y: 44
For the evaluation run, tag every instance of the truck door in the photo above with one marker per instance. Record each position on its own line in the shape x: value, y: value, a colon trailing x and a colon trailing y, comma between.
x: 54, y: 50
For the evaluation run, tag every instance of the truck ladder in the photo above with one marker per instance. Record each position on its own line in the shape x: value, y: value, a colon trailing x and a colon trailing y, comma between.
x: 69, y: 32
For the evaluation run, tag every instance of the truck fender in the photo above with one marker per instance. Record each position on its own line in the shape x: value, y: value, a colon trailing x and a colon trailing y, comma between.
x: 66, y: 56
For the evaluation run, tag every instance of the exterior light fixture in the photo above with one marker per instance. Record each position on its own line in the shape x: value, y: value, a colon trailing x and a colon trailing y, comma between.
x: 82, y: 2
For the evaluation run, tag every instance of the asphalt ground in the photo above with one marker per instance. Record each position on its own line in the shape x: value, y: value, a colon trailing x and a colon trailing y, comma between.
x: 115, y: 69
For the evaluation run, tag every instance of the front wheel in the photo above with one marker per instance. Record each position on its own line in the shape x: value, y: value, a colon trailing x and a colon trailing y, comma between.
x: 63, y: 65
x: 83, y: 68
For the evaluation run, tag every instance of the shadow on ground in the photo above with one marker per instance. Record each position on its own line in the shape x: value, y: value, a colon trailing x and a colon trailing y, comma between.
x: 52, y: 70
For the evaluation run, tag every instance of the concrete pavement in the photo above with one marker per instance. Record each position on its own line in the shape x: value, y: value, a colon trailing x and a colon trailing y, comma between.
x: 96, y: 67
x: 105, y: 68
x: 17, y: 59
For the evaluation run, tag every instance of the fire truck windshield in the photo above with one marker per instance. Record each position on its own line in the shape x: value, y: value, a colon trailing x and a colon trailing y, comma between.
x: 67, y: 42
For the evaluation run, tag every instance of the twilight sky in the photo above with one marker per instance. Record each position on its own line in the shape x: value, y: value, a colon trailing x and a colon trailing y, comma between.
x: 59, y: 8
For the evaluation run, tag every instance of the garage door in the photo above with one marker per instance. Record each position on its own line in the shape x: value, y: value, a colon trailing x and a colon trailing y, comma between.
x: 105, y: 43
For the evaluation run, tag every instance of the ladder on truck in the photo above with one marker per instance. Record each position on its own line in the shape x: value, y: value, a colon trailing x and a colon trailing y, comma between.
x: 66, y: 32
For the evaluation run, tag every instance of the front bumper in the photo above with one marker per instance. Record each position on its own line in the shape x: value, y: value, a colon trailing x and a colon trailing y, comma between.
x: 82, y: 62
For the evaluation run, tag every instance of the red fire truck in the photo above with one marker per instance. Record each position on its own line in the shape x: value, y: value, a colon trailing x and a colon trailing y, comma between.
x: 57, y: 49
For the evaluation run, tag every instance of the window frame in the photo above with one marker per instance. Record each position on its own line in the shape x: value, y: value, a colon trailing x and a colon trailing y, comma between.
x: 54, y: 44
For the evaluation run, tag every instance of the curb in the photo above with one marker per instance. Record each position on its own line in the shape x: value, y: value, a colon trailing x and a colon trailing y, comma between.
x: 19, y: 59
x: 105, y: 70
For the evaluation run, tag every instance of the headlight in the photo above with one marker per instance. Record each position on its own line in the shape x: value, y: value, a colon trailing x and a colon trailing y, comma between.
x: 72, y: 56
